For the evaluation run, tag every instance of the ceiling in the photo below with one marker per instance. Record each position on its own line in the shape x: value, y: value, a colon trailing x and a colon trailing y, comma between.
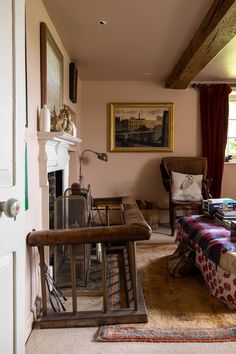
x: 142, y: 40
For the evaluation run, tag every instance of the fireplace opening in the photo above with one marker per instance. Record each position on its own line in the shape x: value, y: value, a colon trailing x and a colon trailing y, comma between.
x: 55, y: 190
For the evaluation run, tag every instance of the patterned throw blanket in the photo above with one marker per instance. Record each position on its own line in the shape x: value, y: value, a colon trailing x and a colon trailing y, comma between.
x: 213, y: 239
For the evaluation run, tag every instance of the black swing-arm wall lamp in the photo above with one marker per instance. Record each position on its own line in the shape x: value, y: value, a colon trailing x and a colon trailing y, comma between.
x: 100, y: 155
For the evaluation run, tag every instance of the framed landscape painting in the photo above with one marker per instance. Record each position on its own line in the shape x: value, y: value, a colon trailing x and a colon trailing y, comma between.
x: 141, y: 127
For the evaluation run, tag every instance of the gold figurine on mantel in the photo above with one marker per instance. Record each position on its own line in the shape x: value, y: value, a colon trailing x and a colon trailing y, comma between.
x: 63, y: 122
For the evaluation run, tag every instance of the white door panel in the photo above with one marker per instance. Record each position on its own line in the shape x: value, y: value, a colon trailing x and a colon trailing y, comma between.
x: 12, y: 121
x: 6, y: 98
x: 6, y: 297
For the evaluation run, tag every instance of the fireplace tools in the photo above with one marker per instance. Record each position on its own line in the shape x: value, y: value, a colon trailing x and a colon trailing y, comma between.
x: 54, y: 292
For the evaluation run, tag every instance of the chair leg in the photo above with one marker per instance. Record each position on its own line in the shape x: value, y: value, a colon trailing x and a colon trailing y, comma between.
x: 200, y: 210
x: 172, y: 219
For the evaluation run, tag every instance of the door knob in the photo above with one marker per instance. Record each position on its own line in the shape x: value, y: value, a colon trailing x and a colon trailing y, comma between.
x: 10, y: 208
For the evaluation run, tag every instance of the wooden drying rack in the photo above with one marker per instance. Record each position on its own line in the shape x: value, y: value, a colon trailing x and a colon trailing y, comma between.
x: 134, y: 228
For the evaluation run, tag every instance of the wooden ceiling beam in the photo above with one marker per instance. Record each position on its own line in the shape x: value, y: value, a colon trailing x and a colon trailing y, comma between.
x: 216, y: 30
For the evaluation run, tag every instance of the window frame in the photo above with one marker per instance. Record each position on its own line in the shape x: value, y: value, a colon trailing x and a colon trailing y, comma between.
x: 232, y: 98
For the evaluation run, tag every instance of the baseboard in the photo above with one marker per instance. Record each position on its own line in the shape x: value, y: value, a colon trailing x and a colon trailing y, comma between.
x: 164, y: 216
x: 28, y: 325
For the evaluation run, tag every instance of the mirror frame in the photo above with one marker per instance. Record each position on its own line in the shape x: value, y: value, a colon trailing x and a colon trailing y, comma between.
x: 46, y: 39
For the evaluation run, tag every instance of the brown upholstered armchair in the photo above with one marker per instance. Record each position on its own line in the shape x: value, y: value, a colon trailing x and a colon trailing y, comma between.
x: 189, y: 166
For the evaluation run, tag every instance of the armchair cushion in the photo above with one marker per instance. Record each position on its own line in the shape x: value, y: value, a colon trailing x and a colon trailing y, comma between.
x: 186, y: 187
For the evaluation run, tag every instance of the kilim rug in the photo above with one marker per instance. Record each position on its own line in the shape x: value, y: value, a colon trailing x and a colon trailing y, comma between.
x: 179, y: 309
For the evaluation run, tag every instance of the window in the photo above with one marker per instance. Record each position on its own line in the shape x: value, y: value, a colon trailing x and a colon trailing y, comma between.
x: 231, y: 139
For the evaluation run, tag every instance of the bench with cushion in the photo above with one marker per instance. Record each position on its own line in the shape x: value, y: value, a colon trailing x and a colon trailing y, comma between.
x: 215, y: 254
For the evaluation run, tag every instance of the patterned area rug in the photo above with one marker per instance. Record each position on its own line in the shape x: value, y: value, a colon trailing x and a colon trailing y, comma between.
x: 120, y: 333
x: 179, y: 309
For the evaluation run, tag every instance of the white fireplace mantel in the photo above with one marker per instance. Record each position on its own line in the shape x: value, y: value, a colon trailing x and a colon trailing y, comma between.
x: 54, y: 150
x: 54, y: 155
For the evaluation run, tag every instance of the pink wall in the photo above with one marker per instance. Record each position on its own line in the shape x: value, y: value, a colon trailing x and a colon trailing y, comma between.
x: 135, y: 173
x: 228, y: 183
x: 35, y: 13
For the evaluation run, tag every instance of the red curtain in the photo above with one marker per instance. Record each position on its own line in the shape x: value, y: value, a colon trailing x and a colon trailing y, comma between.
x: 214, y: 107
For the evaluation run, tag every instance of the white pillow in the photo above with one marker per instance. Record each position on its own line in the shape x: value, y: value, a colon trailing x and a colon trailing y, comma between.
x: 186, y: 187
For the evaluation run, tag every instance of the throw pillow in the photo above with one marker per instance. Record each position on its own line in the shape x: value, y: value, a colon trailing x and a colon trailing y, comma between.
x: 186, y: 187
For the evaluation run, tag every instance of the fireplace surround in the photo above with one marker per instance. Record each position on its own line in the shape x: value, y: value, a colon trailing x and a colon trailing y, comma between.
x: 54, y: 148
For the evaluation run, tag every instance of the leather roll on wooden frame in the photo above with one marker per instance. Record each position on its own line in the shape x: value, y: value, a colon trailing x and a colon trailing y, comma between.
x: 134, y: 228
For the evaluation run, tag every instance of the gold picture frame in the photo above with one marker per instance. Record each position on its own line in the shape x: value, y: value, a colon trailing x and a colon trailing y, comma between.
x: 51, y: 65
x: 144, y: 127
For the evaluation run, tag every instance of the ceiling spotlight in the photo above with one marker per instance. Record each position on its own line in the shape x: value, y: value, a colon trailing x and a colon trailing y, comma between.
x: 102, y: 22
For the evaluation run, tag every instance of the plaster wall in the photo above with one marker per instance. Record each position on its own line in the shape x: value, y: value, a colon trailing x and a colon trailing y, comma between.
x: 228, y: 183
x: 134, y: 173
x: 137, y: 173
x: 35, y: 13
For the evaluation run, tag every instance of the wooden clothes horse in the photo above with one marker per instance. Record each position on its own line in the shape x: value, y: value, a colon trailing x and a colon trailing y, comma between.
x: 125, y: 236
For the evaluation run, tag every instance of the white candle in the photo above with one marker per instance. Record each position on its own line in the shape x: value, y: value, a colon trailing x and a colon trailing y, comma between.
x: 45, y: 119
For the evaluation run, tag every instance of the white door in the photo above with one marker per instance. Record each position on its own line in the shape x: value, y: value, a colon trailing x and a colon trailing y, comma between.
x: 12, y: 121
